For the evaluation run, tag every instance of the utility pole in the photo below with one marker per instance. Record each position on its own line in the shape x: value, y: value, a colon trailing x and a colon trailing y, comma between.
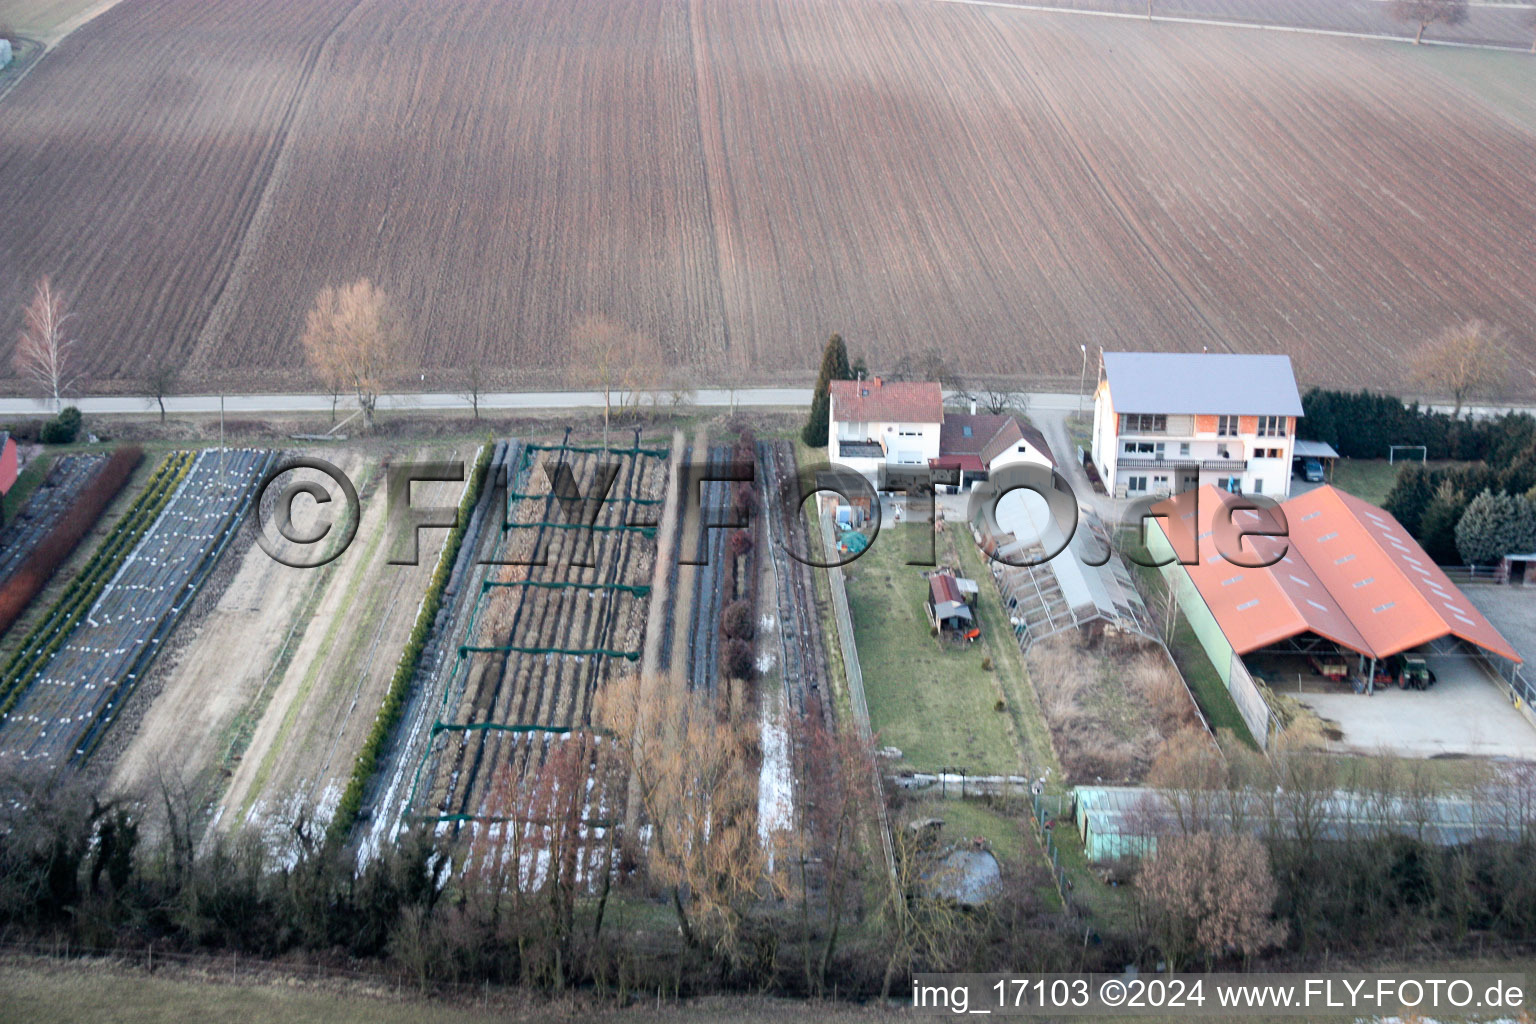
x: 221, y: 444
x: 1082, y: 381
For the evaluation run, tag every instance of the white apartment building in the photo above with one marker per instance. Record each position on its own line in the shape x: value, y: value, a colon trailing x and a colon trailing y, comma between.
x: 1165, y: 423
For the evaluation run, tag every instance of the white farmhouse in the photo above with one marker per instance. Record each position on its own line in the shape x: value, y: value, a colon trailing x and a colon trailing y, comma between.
x: 888, y: 430
x: 883, y: 429
x: 1165, y: 423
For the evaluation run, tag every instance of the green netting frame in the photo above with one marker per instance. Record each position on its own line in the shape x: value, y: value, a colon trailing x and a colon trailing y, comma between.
x: 651, y: 453
x: 517, y: 496
x: 519, y: 478
x: 560, y: 730
x: 466, y: 649
x: 649, y: 531
x: 637, y: 589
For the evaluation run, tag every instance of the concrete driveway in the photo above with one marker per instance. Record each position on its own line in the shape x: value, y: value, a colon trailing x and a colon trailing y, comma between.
x: 1465, y: 712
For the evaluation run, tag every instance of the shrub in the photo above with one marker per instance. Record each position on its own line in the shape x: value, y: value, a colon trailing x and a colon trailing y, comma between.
x: 367, y: 761
x: 736, y: 621
x: 62, y: 429
x: 986, y: 664
x: 25, y: 430
x: 736, y: 659
x: 741, y: 543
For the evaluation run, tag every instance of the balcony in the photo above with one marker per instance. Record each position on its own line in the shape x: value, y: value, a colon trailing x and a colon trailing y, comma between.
x: 1137, y: 463
x: 860, y: 449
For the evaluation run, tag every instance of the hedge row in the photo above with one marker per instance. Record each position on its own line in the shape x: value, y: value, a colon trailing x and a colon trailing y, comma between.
x: 51, y: 633
x: 60, y: 542
x: 405, y: 671
x: 1364, y: 424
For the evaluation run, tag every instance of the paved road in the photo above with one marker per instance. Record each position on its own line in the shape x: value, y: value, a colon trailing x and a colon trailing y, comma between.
x: 1186, y: 19
x: 435, y: 401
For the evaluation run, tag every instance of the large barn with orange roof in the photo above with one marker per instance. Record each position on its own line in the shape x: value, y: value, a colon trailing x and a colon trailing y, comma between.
x: 1347, y: 571
x: 1321, y: 572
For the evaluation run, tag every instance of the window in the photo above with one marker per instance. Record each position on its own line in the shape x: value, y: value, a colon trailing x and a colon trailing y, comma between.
x: 1023, y: 449
x: 1183, y: 447
x: 1136, y: 484
x: 1226, y: 426
x: 1258, y: 486
x: 966, y: 430
x: 1143, y: 423
x: 1271, y: 426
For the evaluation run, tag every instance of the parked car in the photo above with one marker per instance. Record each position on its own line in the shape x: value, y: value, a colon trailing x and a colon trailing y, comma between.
x: 1309, y: 469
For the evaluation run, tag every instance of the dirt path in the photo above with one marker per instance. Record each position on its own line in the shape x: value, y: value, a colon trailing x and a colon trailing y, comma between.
x: 302, y: 750
x: 201, y: 714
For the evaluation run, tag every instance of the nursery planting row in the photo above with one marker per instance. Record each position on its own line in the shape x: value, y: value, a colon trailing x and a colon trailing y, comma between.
x: 543, y: 638
x: 64, y: 684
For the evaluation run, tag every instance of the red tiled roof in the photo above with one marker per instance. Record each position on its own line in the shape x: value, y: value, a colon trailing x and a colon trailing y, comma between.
x: 991, y: 435
x: 1350, y: 573
x: 873, y: 401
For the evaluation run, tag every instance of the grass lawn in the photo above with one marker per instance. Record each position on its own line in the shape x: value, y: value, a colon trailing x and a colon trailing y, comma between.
x: 43, y: 993
x: 1371, y: 479
x: 1008, y: 834
x: 934, y: 701
x: 41, y: 18
x: 1505, y: 82
x: 1010, y: 678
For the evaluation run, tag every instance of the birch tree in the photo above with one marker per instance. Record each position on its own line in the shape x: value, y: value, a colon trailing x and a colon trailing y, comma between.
x: 44, y: 351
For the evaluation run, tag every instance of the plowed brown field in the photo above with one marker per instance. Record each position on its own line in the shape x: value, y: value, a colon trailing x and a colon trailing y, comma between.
x: 739, y: 179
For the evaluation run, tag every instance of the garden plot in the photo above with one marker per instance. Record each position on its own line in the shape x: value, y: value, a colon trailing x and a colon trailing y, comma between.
x: 1111, y: 700
x: 70, y: 679
x: 66, y: 478
x: 325, y: 679
x: 542, y: 639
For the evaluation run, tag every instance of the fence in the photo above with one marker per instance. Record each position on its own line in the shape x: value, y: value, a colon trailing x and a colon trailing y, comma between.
x: 1462, y: 575
x: 1261, y: 721
x: 1522, y: 694
x: 855, y: 676
x: 1045, y: 806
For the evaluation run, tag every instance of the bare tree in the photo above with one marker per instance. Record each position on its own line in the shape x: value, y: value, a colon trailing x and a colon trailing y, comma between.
x: 474, y: 386
x: 1211, y: 894
x: 159, y: 382
x: 838, y: 778
x: 690, y: 782
x: 1468, y: 361
x: 1425, y: 13
x: 353, y: 342
x: 997, y: 400
x: 680, y: 392
x: 44, y: 351
x: 921, y: 925
x: 608, y: 356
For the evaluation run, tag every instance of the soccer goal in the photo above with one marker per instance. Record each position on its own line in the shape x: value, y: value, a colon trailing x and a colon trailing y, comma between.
x: 1393, y: 449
